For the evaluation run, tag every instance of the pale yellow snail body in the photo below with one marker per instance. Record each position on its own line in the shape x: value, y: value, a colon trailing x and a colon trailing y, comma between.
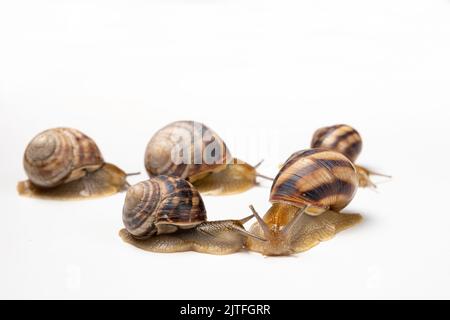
x: 192, y: 151
x: 65, y: 164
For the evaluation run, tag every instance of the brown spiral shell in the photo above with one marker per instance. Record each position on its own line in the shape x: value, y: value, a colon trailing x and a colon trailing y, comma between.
x: 60, y: 155
x: 197, y: 150
x: 340, y: 138
x: 162, y: 205
x: 318, y: 178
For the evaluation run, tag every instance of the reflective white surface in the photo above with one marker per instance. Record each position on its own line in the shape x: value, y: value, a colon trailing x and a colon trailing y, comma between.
x: 264, y: 75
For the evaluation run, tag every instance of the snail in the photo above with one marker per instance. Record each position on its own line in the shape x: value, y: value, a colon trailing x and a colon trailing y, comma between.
x: 64, y: 164
x: 346, y: 140
x: 167, y: 214
x: 307, y: 196
x: 192, y: 151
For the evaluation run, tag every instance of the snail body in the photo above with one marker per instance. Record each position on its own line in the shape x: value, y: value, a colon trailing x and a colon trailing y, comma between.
x: 64, y: 163
x: 190, y: 150
x: 167, y: 214
x: 346, y: 140
x: 307, y: 197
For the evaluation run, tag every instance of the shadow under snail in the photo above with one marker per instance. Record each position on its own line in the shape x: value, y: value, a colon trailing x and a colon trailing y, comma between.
x: 167, y: 215
x: 65, y: 164
x: 307, y: 196
x: 346, y: 140
x: 192, y: 151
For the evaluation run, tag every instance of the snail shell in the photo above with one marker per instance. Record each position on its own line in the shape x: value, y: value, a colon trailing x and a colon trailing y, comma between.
x: 340, y: 138
x: 60, y: 155
x: 186, y: 149
x: 320, y: 179
x: 162, y: 205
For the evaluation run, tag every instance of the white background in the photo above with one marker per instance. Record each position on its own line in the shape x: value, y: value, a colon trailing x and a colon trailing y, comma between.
x: 264, y: 74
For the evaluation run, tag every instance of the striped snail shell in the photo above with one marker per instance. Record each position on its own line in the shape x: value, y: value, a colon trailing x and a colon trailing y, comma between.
x: 186, y: 149
x: 60, y: 155
x: 162, y: 205
x: 317, y: 182
x: 319, y: 179
x: 340, y: 138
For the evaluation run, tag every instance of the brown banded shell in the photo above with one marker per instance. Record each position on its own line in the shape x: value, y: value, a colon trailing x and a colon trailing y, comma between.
x: 60, y: 155
x: 162, y: 205
x: 186, y: 149
x: 317, y: 178
x: 340, y: 138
